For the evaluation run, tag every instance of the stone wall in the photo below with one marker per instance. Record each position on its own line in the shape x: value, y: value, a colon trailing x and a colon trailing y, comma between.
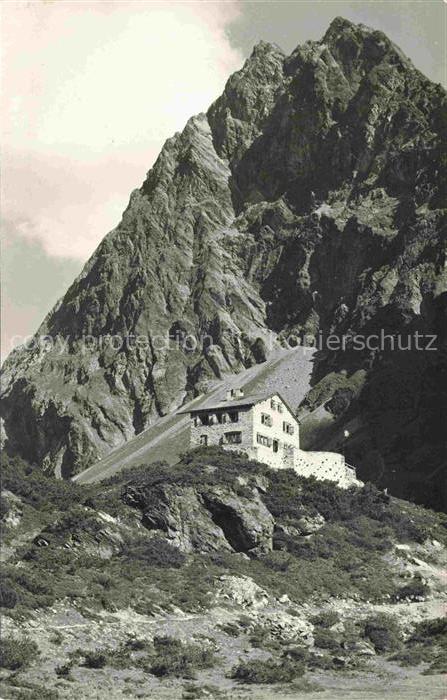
x: 216, y: 432
x: 325, y: 465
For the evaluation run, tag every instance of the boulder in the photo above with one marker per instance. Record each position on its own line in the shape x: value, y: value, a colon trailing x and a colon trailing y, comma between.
x: 246, y: 522
x: 307, y: 525
x: 241, y: 591
x: 179, y: 512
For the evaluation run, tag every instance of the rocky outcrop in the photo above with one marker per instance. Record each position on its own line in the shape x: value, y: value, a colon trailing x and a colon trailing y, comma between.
x: 205, y: 519
x: 308, y: 200
x: 241, y: 591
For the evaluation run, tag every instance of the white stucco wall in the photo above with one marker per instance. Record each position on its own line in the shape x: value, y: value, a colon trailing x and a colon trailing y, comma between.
x: 279, y: 459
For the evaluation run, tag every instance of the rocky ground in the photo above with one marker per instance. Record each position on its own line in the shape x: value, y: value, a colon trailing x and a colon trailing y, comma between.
x: 62, y: 630
x: 219, y: 578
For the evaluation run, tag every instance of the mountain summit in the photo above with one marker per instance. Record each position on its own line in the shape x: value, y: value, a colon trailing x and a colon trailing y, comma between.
x: 307, y: 200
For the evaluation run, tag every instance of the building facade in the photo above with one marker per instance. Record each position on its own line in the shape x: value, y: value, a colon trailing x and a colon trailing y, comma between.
x: 266, y: 429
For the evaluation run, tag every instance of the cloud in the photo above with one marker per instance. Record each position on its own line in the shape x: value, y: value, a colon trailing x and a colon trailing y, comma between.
x: 32, y: 282
x: 90, y: 92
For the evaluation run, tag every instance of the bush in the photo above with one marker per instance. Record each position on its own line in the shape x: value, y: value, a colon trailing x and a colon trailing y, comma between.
x: 428, y: 643
x: 36, y: 488
x: 430, y: 631
x: 261, y: 638
x: 64, y: 671
x: 176, y: 658
x: 4, y: 507
x: 325, y: 619
x: 267, y: 671
x: 17, y: 653
x: 32, y: 691
x: 415, y: 589
x: 26, y: 587
x: 134, y: 644
x: 324, y: 639
x: 155, y: 552
x: 231, y: 628
x: 383, y: 632
x: 95, y: 659
x: 297, y: 654
x: 8, y: 595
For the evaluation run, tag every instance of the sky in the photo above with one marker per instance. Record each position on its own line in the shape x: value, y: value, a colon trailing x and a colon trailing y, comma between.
x: 91, y: 90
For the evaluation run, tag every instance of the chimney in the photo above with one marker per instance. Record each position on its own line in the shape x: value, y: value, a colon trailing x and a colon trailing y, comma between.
x: 234, y: 394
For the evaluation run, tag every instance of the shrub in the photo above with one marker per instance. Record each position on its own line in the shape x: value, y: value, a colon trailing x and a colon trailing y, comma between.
x: 176, y: 658
x: 37, y: 488
x: 17, y: 653
x: 325, y: 619
x: 267, y: 671
x: 325, y: 639
x: 383, y: 632
x: 134, y: 644
x: 155, y: 551
x: 296, y: 653
x: 323, y: 662
x: 428, y: 643
x: 64, y: 671
x: 95, y: 659
x: 32, y: 691
x: 231, y: 628
x: 261, y: 639
x: 430, y: 631
x: 4, y: 507
x: 414, y: 589
x: 56, y: 638
x: 413, y: 656
x: 26, y: 587
x: 8, y: 595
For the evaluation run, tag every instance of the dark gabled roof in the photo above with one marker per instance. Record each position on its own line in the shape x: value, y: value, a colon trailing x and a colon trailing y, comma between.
x: 243, y: 401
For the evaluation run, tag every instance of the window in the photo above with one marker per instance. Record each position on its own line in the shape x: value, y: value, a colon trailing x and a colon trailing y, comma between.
x: 276, y: 405
x: 234, y: 416
x: 203, y: 419
x: 266, y: 419
x: 275, y: 445
x: 287, y: 428
x: 233, y: 438
x: 263, y: 440
x: 204, y: 439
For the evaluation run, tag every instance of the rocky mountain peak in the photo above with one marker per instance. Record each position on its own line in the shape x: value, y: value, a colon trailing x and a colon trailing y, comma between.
x: 308, y: 198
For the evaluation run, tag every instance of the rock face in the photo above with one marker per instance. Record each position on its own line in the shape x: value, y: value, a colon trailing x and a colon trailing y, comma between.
x: 308, y: 199
x: 207, y: 519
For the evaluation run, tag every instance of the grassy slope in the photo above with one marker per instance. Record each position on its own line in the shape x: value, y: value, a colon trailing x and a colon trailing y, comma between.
x: 101, y: 579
